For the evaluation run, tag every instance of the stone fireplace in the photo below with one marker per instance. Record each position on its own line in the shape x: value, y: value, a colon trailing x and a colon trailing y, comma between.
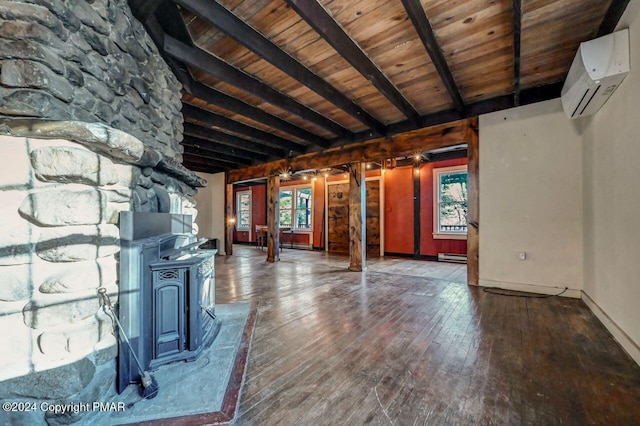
x: 90, y: 126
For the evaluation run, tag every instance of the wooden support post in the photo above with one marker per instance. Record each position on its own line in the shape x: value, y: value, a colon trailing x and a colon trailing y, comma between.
x: 473, y: 206
x: 273, y: 218
x: 416, y: 211
x: 229, y: 221
x: 357, y: 217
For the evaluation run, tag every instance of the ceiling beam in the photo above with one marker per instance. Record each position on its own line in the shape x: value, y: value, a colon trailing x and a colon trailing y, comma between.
x: 210, y: 162
x: 517, y: 38
x: 221, y: 158
x: 217, y: 120
x: 612, y: 17
x: 221, y: 99
x: 217, y: 15
x: 218, y: 68
x: 425, y: 32
x: 205, y: 169
x: 426, y: 139
x: 231, y: 141
x: 232, y: 153
x: 527, y: 96
x: 323, y: 23
x: 143, y: 9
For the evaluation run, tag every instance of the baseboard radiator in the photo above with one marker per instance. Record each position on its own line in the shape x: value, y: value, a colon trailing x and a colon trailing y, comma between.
x: 451, y: 257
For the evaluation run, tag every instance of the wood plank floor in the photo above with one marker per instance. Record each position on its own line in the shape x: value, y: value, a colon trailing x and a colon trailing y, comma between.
x: 383, y: 347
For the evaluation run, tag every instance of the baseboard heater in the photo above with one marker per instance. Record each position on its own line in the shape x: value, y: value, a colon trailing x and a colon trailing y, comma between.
x: 451, y: 257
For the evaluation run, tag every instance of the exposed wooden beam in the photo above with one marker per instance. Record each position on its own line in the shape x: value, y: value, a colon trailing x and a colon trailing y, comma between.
x: 613, y: 15
x: 213, y: 159
x: 425, y: 32
x: 527, y: 96
x: 320, y: 20
x: 204, y: 169
x: 222, y: 149
x: 143, y: 9
x: 231, y: 141
x: 217, y: 15
x: 407, y: 143
x: 220, y: 152
x: 218, y: 68
x: 157, y: 34
x: 221, y: 99
x: 217, y: 120
x: 517, y: 32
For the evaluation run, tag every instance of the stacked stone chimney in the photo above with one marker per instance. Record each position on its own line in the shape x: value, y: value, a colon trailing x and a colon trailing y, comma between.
x: 90, y: 125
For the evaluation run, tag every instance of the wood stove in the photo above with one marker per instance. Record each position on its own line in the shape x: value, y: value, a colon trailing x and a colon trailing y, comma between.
x: 167, y: 292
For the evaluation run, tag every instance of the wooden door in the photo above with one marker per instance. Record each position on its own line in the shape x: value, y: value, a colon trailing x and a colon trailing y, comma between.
x: 338, y: 218
x: 373, y: 218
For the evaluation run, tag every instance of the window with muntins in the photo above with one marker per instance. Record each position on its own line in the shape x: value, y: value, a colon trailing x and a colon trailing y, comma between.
x: 243, y: 209
x: 295, y: 207
x: 450, y: 206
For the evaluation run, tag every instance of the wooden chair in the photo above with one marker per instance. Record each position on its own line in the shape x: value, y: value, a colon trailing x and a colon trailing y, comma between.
x: 261, y: 236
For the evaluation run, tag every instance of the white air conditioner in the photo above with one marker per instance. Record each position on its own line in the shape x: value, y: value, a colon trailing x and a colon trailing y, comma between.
x: 597, y: 70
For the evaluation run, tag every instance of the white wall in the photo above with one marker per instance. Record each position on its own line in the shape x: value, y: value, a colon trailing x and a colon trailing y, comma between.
x: 210, y: 207
x: 611, y: 146
x: 531, y: 200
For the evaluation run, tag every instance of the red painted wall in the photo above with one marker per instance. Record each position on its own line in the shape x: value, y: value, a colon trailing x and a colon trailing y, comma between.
x: 428, y: 245
x: 258, y: 211
x: 398, y: 210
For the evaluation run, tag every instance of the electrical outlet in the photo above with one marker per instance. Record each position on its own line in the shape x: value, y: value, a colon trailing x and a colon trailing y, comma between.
x: 522, y: 255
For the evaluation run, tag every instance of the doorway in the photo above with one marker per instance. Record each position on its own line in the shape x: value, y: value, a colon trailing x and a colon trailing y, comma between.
x: 337, y: 208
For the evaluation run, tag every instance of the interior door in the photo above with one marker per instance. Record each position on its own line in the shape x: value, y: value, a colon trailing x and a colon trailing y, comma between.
x: 338, y: 218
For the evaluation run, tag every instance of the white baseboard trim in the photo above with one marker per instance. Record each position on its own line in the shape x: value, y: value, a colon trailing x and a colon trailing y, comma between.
x: 531, y: 288
x: 628, y: 344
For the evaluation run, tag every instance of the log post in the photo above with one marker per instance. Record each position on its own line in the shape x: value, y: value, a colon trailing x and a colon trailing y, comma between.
x: 273, y: 218
x: 230, y: 221
x: 357, y: 217
x: 473, y: 206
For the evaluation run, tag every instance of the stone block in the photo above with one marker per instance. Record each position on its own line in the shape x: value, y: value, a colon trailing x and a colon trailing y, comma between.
x: 159, y: 177
x: 96, y: 136
x: 73, y: 75
x: 145, y: 182
x: 118, y: 194
x: 19, y: 49
x: 56, y: 383
x: 16, y: 173
x: 31, y: 418
x: 78, y: 41
x: 142, y: 88
x: 15, y: 283
x: 23, y: 30
x: 127, y: 175
x: 73, y: 165
x: 64, y: 207
x: 21, y: 73
x: 73, y: 244
x: 75, y: 338
x: 90, y: 17
x: 46, y: 312
x: 82, y: 276
x: 58, y: 8
x: 16, y: 341
x: 107, y: 348
x: 12, y: 10
x: 99, y: 89
x: 32, y: 103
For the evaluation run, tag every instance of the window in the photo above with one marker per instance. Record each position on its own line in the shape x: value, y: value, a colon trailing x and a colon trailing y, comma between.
x: 450, y: 206
x: 295, y: 207
x: 243, y: 209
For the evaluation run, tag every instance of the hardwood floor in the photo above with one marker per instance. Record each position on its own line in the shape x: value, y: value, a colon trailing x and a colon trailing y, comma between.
x: 382, y: 348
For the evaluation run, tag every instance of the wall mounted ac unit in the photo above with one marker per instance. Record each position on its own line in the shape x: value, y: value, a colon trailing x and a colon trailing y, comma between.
x: 597, y: 70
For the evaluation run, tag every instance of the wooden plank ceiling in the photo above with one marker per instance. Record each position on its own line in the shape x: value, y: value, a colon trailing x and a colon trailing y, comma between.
x: 266, y: 80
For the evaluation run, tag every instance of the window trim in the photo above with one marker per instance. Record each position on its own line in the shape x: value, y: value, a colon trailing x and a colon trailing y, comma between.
x: 238, y: 227
x: 437, y: 235
x: 294, y: 189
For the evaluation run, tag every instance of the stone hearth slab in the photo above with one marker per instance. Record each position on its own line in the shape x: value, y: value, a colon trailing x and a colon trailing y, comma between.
x: 202, y: 391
